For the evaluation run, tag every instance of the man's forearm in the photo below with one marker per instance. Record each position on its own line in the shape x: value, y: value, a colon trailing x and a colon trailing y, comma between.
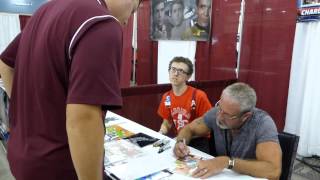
x: 186, y: 134
x: 256, y: 168
x: 6, y: 76
x: 165, y: 127
x: 195, y: 129
x: 85, y: 136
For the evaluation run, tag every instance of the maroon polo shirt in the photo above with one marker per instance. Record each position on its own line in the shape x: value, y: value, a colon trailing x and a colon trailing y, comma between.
x: 68, y: 53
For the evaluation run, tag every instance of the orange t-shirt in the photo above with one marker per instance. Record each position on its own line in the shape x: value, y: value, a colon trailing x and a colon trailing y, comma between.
x: 178, y: 108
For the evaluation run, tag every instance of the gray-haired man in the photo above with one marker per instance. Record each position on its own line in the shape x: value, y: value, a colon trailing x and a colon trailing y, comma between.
x: 245, y: 137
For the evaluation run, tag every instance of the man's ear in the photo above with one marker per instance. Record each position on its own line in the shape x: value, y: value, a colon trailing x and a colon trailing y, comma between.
x: 246, y: 116
x: 188, y: 77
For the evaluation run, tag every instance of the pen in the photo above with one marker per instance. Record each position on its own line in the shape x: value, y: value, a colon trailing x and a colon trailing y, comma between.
x: 164, y: 148
x: 161, y: 143
x: 164, y: 142
x: 185, y: 150
x: 112, y: 176
x: 157, y: 143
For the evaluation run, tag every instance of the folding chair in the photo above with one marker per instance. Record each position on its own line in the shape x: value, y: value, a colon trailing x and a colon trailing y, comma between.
x: 289, y: 144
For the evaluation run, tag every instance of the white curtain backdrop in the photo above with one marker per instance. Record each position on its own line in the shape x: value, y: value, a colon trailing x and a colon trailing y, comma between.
x: 169, y: 49
x: 9, y: 28
x: 303, y: 109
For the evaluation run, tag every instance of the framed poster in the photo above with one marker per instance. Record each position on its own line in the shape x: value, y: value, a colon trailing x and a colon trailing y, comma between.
x: 26, y: 7
x: 180, y: 20
x: 308, y: 10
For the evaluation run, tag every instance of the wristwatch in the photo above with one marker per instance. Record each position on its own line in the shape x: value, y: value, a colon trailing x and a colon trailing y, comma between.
x: 231, y: 163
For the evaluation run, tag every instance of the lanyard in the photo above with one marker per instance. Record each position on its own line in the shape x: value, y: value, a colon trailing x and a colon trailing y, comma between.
x: 228, y: 147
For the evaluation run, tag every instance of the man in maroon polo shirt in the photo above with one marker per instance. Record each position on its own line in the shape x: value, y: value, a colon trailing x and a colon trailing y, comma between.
x: 62, y: 73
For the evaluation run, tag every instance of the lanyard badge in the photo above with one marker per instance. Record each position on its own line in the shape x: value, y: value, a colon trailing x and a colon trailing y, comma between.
x: 167, y: 102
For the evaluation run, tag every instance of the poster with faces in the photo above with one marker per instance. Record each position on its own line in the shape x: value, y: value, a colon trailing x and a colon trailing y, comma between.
x: 188, y: 20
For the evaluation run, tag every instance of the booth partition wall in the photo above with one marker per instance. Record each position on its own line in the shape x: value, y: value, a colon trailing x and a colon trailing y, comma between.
x: 266, y: 50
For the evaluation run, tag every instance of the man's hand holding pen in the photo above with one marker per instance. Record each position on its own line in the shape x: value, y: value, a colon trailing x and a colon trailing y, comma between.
x: 181, y: 150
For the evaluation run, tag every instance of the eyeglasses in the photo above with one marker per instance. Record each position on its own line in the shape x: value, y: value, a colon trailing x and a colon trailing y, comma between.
x: 174, y: 70
x: 226, y: 115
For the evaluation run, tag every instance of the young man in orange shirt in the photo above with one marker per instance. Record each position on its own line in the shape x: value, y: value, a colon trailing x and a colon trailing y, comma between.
x: 183, y: 103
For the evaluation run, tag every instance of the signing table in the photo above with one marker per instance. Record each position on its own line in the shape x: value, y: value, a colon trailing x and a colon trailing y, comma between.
x: 128, y: 161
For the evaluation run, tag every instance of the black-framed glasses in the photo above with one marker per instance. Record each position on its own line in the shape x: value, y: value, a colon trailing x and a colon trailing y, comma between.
x: 179, y: 71
x: 226, y: 115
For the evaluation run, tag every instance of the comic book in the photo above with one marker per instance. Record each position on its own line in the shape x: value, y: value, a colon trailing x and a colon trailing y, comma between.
x: 187, y: 165
x: 116, y: 132
x: 183, y: 167
x: 119, y: 150
x: 160, y: 175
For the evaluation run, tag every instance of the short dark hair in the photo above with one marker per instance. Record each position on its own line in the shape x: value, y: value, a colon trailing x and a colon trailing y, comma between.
x: 180, y: 59
x: 197, y: 2
x: 156, y: 2
x: 176, y: 2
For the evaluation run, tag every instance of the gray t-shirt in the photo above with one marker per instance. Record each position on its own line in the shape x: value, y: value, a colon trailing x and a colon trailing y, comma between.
x: 259, y: 128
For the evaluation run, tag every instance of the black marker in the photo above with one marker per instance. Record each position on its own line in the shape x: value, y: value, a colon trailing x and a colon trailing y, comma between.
x: 164, y: 148
x: 112, y: 176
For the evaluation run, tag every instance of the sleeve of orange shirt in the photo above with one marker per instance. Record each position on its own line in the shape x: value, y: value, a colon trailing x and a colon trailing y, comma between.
x: 202, y: 103
x: 163, y: 112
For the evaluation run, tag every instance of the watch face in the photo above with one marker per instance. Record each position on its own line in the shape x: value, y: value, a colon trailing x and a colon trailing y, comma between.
x: 230, y: 163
